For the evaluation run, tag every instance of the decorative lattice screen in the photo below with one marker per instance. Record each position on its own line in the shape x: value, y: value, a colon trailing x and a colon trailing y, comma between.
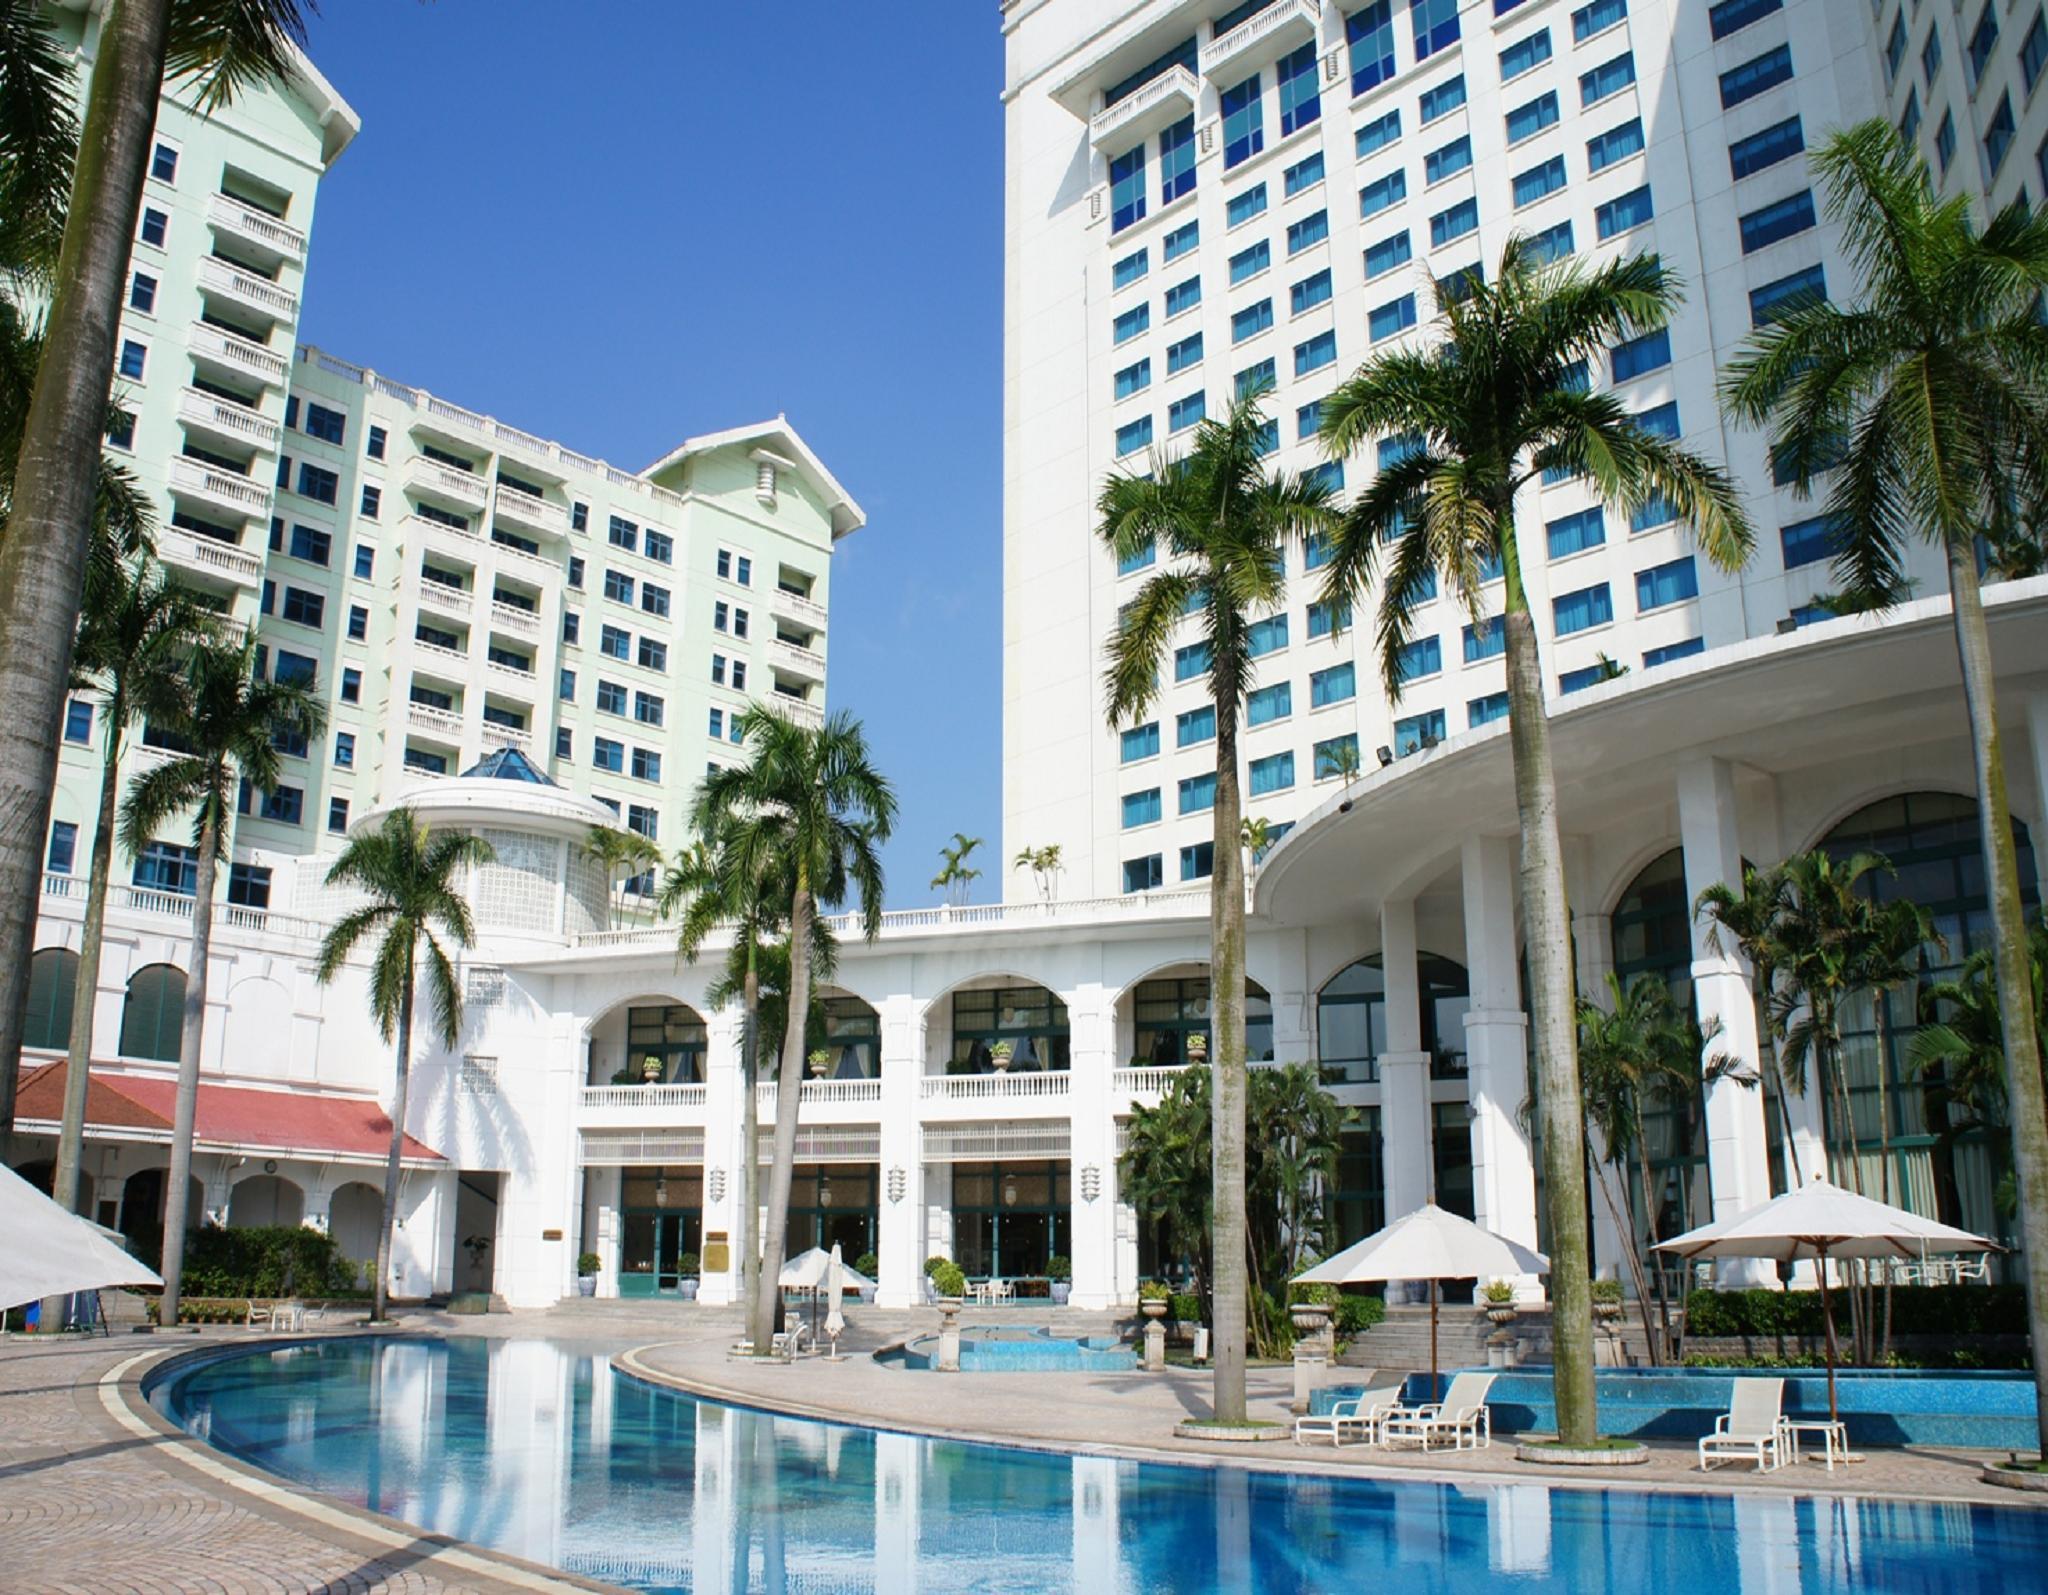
x: 994, y: 1142
x: 517, y: 891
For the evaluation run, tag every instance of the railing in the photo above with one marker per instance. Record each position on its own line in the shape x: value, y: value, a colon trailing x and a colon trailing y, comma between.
x: 515, y: 618
x: 540, y: 561
x: 459, y: 601
x: 435, y: 477
x: 240, y: 353
x: 1144, y: 1079
x: 767, y: 1091
x: 505, y: 736
x: 231, y: 420
x: 223, y: 487
x: 806, y: 661
x: 218, y: 275
x: 1173, y: 88
x: 435, y: 722
x: 433, y: 650
x: 643, y: 1096
x: 530, y: 511
x: 521, y: 672
x: 797, y: 607
x: 419, y: 523
x: 148, y: 901
x: 801, y: 710
x: 230, y: 212
x: 198, y: 552
x: 990, y: 1087
x: 1288, y: 16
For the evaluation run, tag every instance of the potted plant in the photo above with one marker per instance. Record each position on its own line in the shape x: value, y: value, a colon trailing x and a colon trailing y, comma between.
x: 1153, y: 1298
x: 817, y: 1058
x: 1198, y: 1047
x: 622, y: 1075
x: 932, y: 1265
x: 1497, y: 1297
x: 1000, y: 1054
x: 586, y: 1273
x: 650, y: 1069
x: 949, y: 1283
x: 1059, y: 1275
x: 867, y: 1263
x: 1607, y: 1300
x: 1312, y: 1308
x: 689, y: 1266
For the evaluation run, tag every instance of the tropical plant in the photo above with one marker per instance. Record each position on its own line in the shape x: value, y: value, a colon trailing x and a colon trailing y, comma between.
x: 68, y: 224
x: 129, y: 662
x: 1258, y: 836
x: 1500, y: 399
x: 1927, y: 392
x: 1044, y: 864
x: 956, y: 875
x: 587, y: 1264
x: 1748, y: 917
x: 808, y: 810
x: 228, y: 724
x: 623, y: 855
x: 411, y: 879
x: 1221, y: 526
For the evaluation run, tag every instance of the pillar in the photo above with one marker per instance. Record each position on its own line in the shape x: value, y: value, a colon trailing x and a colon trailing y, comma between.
x: 607, y: 1194
x: 897, y: 1253
x: 1092, y: 1230
x: 1738, y: 1157
x: 1404, y: 1069
x: 2036, y: 709
x: 1496, y: 1045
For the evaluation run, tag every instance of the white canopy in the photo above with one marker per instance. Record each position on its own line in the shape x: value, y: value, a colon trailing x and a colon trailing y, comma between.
x: 50, y: 1252
x: 1429, y: 1243
x: 810, y: 1271
x: 1823, y: 1220
x: 835, y: 1286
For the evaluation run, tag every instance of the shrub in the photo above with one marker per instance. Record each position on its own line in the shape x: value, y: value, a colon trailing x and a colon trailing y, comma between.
x: 1356, y: 1314
x: 1607, y: 1290
x: 588, y: 1263
x: 1185, y: 1307
x: 279, y: 1260
x: 933, y: 1264
x: 1916, y: 1310
x: 1318, y: 1295
x: 1153, y: 1290
x: 948, y: 1279
x: 1058, y: 1268
x: 866, y: 1264
x: 689, y: 1264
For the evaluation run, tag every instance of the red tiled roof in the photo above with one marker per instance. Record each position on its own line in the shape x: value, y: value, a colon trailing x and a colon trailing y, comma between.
x: 239, y: 1116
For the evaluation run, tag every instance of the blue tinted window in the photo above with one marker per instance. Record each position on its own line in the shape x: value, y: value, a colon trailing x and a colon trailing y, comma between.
x: 1982, y: 42
x: 1176, y: 160
x: 1539, y: 182
x: 1774, y: 299
x: 1619, y: 215
x: 1436, y: 25
x: 1191, y: 661
x: 1274, y: 773
x: 1140, y: 742
x: 1485, y: 639
x: 1270, y: 703
x: 1134, y: 435
x: 1132, y: 322
x: 1448, y: 225
x: 1377, y: 134
x: 1525, y: 55
x: 1754, y: 76
x: 1134, y: 379
x: 1138, y: 559
x: 1251, y: 321
x: 1422, y: 657
x: 1326, y: 619
x: 1335, y: 755
x: 1656, y: 512
x: 1729, y: 15
x: 1141, y: 808
x: 1660, y: 420
x: 1443, y: 99
x: 1253, y: 379
x: 1667, y: 584
x: 1486, y: 710
x: 1183, y: 296
x: 1266, y: 636
x: 1250, y: 262
x: 1338, y: 684
x: 1196, y: 725
x: 1647, y: 353
x: 1998, y: 135
x: 1654, y: 657
x: 1609, y: 77
x: 1388, y: 253
x: 1126, y: 189
x: 1243, y: 207
x: 1244, y: 130
x: 1579, y: 680
x: 1306, y: 295
x: 1397, y: 315
x: 1393, y: 450
x: 1441, y: 162
x: 1300, y: 100
x: 1778, y: 142
x: 1382, y: 192
x: 1808, y: 542
x: 1588, y: 607
x: 1370, y: 31
x: 1198, y: 861
x: 1142, y: 874
x: 1186, y: 353
x: 1616, y: 144
x: 1198, y: 793
x: 1418, y: 731
x: 1179, y: 242
x: 1596, y: 18
x: 1525, y: 121
x: 1303, y: 175
x: 133, y: 358
x: 1308, y: 231
x: 1574, y: 533
x: 1553, y: 243
x: 1329, y: 476
x: 1184, y: 412
x: 1784, y: 219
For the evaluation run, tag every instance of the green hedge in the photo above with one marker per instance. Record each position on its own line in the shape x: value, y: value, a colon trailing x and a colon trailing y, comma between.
x: 1356, y: 1314
x: 285, y: 1260
x: 1916, y: 1310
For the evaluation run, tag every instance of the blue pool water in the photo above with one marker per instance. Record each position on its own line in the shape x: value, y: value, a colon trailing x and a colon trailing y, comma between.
x: 997, y: 1348
x: 543, y: 1450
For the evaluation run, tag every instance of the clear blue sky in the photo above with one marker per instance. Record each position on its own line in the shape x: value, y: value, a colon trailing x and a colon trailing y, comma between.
x: 620, y: 224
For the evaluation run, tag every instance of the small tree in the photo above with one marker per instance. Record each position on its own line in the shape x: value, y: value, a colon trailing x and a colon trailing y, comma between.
x: 956, y: 875
x: 1044, y: 864
x: 622, y: 855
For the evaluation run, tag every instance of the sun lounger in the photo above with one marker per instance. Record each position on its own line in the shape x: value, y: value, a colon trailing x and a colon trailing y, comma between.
x: 1461, y: 1417
x: 1355, y: 1417
x: 1753, y: 1426
x: 792, y: 1341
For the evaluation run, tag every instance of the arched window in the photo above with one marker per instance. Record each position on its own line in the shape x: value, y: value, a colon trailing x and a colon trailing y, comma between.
x: 1351, y: 1019
x: 1030, y: 1018
x: 153, y: 1013
x: 52, y: 980
x: 1652, y: 926
x: 1164, y: 1013
x: 853, y: 1040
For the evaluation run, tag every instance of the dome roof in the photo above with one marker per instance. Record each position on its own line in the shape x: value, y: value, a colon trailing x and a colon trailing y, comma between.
x: 507, y: 764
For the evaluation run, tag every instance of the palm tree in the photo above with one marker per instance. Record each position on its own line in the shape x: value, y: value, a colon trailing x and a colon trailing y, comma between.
x: 1500, y: 399
x: 228, y: 721
x: 807, y: 810
x: 411, y: 878
x: 1932, y: 377
x: 133, y: 638
x: 1044, y: 864
x: 1749, y: 918
x: 622, y: 855
x: 1221, y: 526
x: 955, y: 874
x: 54, y: 485
x: 1258, y: 836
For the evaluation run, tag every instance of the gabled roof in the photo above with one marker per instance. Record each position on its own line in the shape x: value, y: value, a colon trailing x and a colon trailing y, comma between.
x: 779, y: 436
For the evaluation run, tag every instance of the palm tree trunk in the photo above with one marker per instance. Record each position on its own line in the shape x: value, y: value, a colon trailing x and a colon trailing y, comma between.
x: 1884, y: 1146
x: 71, y: 1135
x: 401, y: 1081
x: 2023, y: 1081
x: 43, y: 555
x: 1663, y: 1339
x: 177, y: 1199
x: 1626, y: 1230
x: 1546, y: 938
x: 787, y: 1094
x: 750, y: 1136
x: 1227, y: 1069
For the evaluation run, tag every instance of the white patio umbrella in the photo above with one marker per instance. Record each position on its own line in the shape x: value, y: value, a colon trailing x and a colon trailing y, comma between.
x: 1820, y: 1221
x: 50, y: 1252
x: 1430, y: 1244
x: 809, y: 1271
x: 835, y: 1286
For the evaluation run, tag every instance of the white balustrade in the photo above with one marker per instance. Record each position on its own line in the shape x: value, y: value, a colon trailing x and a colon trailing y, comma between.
x: 224, y: 210
x: 200, y: 480
x: 643, y: 1096
x: 238, y: 354
x: 218, y: 276
x: 223, y: 419
x: 195, y: 551
x: 513, y: 618
x: 993, y: 1087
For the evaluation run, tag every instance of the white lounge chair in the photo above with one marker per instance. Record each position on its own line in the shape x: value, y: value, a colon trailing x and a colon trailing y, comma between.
x: 1753, y: 1426
x: 1461, y: 1416
x: 1358, y: 1416
x: 792, y: 1341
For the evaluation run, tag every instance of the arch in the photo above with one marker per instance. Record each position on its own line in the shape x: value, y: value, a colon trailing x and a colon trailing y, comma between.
x: 41, y: 1173
x: 992, y: 1010
x: 631, y: 996
x: 142, y: 1209
x: 259, y: 1026
x: 980, y: 980
x: 1171, y: 1005
x: 263, y: 1201
x: 152, y: 1013
x: 651, y: 1039
x: 1351, y: 1030
x: 1871, y: 798
x: 1650, y: 925
x: 853, y: 1035
x: 1621, y: 879
x: 355, y: 1213
x: 52, y: 989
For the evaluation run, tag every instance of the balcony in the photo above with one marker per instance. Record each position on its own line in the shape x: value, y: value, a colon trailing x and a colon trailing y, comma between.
x: 265, y: 232
x: 629, y: 1106
x: 821, y: 1091
x: 218, y: 490
x: 801, y: 710
x: 535, y: 514
x: 522, y: 675
x: 208, y: 556
x: 1141, y: 1084
x: 797, y: 608
x: 804, y: 663
x: 510, y: 617
x: 1038, y: 1085
x: 462, y: 490
x: 453, y: 540
x: 238, y: 357
x: 458, y: 602
x: 1167, y: 99
x: 1263, y: 38
x: 443, y: 724
x: 504, y: 736
x: 449, y: 660
x: 222, y: 422
x: 247, y: 291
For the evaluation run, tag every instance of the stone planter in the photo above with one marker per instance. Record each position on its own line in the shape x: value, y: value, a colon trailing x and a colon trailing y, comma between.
x: 1153, y: 1309
x: 1061, y: 1290
x: 586, y: 1284
x: 687, y: 1289
x: 1310, y: 1318
x: 1502, y: 1313
x: 1607, y: 1311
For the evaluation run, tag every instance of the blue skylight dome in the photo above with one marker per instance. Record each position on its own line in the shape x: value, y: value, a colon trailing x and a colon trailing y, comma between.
x: 508, y: 764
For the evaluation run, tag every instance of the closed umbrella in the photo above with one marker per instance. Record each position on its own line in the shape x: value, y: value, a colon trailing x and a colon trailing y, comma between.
x: 1430, y: 1244
x: 835, y: 1285
x: 1819, y: 1221
x: 50, y: 1252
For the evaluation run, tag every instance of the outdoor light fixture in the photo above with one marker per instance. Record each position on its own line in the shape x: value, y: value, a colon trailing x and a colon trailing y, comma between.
x: 715, y: 1184
x: 1385, y: 755
x: 896, y: 1184
x: 1009, y: 1191
x: 824, y: 1193
x: 1091, y: 1182
x: 661, y: 1189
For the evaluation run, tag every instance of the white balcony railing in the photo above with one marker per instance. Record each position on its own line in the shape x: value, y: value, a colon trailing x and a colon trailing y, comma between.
x: 1270, y: 34
x: 537, y: 562
x: 233, y: 422
x: 993, y: 1087
x: 148, y: 903
x: 536, y: 514
x: 208, y: 342
x: 457, y: 601
x: 824, y: 1091
x: 1167, y: 99
x: 796, y: 607
x: 804, y: 663
x: 497, y: 735
x: 643, y: 1096
x: 449, y: 656
x: 517, y: 672
x: 512, y: 618
x: 443, y: 723
x: 192, y: 478
x: 465, y: 541
x: 801, y: 710
x: 465, y: 488
x: 208, y: 556
x: 227, y: 212
x: 1146, y: 1080
x: 248, y: 290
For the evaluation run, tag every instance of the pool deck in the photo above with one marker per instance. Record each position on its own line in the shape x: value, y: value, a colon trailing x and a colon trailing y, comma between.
x: 99, y: 1494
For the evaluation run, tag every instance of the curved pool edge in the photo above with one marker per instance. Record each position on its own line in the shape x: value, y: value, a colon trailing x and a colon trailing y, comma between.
x: 124, y: 1396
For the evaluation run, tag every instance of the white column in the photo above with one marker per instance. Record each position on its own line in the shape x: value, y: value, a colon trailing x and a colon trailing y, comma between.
x: 607, y: 1194
x: 901, y: 1171
x: 1738, y: 1157
x: 1091, y: 1016
x: 1404, y: 1069
x: 1496, y: 1045
x: 724, y: 1034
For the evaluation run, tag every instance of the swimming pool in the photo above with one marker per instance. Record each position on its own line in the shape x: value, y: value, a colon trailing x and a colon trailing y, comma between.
x: 1018, y: 1348
x: 541, y: 1449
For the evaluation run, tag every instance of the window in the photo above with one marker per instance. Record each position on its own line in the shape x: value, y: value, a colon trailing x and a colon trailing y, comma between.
x: 1183, y: 296
x: 1486, y: 639
x: 1570, y: 681
x: 1309, y: 231
x: 1656, y: 512
x: 1539, y: 182
x: 1396, y: 315
x: 653, y: 655
x: 1179, y: 242
x: 611, y: 696
x: 327, y: 425
x: 1526, y: 121
x: 1999, y: 134
x: 1131, y: 379
x: 1184, y: 412
x: 1754, y: 76
x: 1126, y: 189
x: 572, y: 626
x: 63, y: 851
x: 1176, y: 161
x: 1808, y: 542
x: 1945, y: 142
x: 1194, y: 727
x: 1447, y: 159
x: 1251, y: 321
x: 121, y: 431
x: 1336, y: 756
x: 576, y: 571
x: 1764, y: 227
x: 1730, y: 15
x: 1525, y: 55
x: 1134, y: 435
x: 659, y: 547
x: 1983, y: 40
x: 1197, y: 793
x: 78, y: 721
x: 337, y: 814
x: 371, y: 502
x: 1302, y: 175
x: 1191, y: 661
x: 1671, y: 651
x: 1459, y: 221
x: 1667, y: 584
x: 744, y: 571
x: 351, y: 684
x: 1370, y: 34
x: 358, y: 623
x: 618, y: 586
x: 646, y: 765
x: 565, y: 685
x: 1316, y: 352
x: 163, y: 164
x: 1616, y: 144
x: 1582, y: 610
x: 606, y: 754
x: 1778, y: 142
x: 1326, y: 619
x: 1182, y: 355
x: 1253, y: 379
x: 1241, y: 208
x: 1137, y: 559
x: 1662, y: 420
x: 304, y: 608
x: 1141, y: 808
x: 249, y: 886
x: 1442, y: 99
x: 1387, y: 255
x: 1248, y: 263
x: 1268, y: 704
x: 294, y: 669
x: 286, y: 806
x: 2033, y: 52
x: 1436, y: 25
x: 1382, y: 193
x: 1486, y: 710
x: 1382, y: 132
x: 1774, y: 299
x: 1596, y: 18
x: 1140, y: 742
x: 1620, y: 214
x: 317, y: 482
x: 615, y: 643
x: 1577, y: 532
x: 1273, y: 773
x: 1244, y: 132
x: 374, y: 447
x: 1417, y: 732
x: 134, y: 356
x: 1650, y: 352
x: 1338, y: 684
x: 648, y: 708
x: 1124, y: 272
x: 142, y: 292
x: 1266, y: 636
x: 1300, y: 100
x: 1142, y: 874
x: 167, y: 867
x: 1198, y: 861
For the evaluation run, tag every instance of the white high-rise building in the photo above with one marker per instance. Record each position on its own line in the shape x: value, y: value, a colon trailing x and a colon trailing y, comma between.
x: 1204, y: 195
